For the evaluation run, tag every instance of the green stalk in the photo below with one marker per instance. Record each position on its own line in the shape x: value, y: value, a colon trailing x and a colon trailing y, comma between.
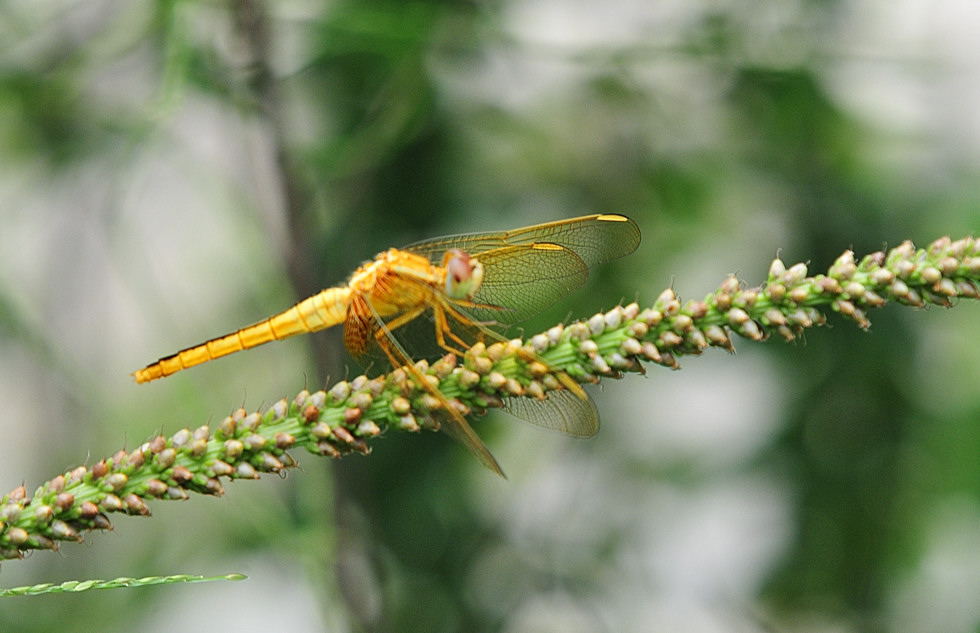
x: 349, y: 415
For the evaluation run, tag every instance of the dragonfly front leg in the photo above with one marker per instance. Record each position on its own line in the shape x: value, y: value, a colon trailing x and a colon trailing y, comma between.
x: 465, y: 320
x: 441, y: 323
x: 526, y: 354
x: 442, y: 328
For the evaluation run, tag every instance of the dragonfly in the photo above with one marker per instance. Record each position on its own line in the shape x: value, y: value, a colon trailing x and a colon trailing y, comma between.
x: 466, y: 283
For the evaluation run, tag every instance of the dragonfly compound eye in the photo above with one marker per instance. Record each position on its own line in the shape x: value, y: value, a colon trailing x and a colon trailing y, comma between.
x: 464, y: 274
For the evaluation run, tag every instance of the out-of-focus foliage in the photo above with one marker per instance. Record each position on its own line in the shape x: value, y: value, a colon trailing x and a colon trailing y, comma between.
x: 173, y: 170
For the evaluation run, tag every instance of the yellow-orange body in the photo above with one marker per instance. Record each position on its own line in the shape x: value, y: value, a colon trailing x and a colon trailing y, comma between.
x: 396, y: 283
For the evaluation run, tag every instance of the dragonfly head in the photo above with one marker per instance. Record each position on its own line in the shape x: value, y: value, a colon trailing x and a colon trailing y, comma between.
x: 464, y: 274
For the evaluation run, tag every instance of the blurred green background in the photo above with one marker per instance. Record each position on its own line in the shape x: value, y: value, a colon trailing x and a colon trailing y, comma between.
x: 170, y: 171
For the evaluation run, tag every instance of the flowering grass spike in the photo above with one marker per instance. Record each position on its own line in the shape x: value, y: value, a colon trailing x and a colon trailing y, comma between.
x: 347, y: 417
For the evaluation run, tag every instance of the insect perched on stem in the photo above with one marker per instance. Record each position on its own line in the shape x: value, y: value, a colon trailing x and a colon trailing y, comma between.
x: 466, y: 281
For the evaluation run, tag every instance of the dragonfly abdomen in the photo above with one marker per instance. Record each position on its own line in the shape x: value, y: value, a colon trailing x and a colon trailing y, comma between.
x: 324, y: 309
x: 320, y: 311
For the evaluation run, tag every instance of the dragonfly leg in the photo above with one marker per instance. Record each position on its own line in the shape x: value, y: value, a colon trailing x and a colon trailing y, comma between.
x: 414, y: 313
x: 484, y: 306
x: 401, y: 319
x: 443, y: 329
x: 456, y: 426
x: 526, y: 354
x: 465, y: 320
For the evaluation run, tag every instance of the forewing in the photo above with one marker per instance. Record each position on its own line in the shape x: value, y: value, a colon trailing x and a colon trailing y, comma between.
x: 523, y: 280
x: 594, y: 238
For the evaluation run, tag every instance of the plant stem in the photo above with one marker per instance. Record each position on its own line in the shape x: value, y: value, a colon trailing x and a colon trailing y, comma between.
x: 346, y: 417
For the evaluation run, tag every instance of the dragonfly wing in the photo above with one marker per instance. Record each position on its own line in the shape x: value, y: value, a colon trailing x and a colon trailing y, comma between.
x: 529, y: 269
x: 523, y: 280
x: 465, y: 435
x: 594, y: 238
x: 562, y: 411
x: 359, y: 326
x: 454, y: 423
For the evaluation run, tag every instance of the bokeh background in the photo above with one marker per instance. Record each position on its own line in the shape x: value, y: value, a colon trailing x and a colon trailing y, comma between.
x: 170, y: 171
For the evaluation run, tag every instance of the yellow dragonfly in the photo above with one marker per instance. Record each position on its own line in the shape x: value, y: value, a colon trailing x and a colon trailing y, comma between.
x: 467, y: 282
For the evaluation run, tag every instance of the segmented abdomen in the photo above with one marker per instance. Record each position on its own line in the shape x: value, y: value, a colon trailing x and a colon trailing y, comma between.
x: 320, y: 311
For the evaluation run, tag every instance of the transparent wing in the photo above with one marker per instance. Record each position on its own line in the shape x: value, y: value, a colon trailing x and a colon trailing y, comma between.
x: 524, y: 280
x: 562, y: 411
x: 530, y: 269
x: 453, y: 423
x: 594, y: 238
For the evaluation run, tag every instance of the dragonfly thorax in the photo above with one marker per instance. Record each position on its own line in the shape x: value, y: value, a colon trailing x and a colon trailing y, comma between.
x: 464, y: 274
